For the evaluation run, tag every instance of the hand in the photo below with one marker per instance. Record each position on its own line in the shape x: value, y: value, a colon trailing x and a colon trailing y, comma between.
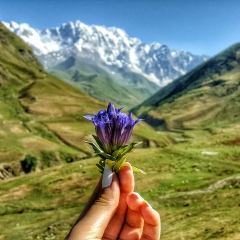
x: 118, y: 213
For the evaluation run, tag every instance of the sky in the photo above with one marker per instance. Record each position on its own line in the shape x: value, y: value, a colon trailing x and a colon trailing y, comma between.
x: 204, y: 27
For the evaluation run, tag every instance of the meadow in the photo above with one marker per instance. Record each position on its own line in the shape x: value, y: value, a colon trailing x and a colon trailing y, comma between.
x: 194, y: 185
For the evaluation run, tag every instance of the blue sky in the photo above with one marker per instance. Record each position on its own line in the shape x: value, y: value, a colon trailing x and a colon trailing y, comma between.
x: 199, y: 26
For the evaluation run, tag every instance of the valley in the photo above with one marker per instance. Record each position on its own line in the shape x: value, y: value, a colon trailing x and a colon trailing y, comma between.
x: 190, y: 148
x: 106, y: 63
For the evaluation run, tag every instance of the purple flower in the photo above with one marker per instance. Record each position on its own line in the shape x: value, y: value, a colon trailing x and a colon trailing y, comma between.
x: 113, y: 127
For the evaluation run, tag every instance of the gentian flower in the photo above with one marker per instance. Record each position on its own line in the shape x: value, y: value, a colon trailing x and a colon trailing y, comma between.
x: 113, y: 129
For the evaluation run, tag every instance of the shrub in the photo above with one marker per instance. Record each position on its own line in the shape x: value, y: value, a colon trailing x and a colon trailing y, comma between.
x: 29, y: 164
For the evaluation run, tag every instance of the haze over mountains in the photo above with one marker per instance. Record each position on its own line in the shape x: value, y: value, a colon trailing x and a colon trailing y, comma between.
x: 88, y: 55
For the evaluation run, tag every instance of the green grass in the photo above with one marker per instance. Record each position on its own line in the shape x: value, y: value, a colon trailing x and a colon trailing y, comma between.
x: 178, y: 184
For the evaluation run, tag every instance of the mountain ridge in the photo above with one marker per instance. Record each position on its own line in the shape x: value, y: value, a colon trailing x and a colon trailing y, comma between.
x: 109, y: 48
x: 211, y: 91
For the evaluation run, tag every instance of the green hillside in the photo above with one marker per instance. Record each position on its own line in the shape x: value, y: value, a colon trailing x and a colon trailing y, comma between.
x: 193, y: 183
x: 196, y: 194
x: 208, y: 96
x: 99, y: 84
x: 42, y: 115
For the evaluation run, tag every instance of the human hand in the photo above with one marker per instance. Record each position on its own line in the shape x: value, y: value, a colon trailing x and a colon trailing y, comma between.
x: 118, y: 213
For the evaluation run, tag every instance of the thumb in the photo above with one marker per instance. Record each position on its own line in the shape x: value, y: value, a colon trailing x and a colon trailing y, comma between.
x: 93, y: 224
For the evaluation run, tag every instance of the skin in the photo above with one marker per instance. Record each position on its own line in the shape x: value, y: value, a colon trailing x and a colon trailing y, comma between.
x: 117, y: 212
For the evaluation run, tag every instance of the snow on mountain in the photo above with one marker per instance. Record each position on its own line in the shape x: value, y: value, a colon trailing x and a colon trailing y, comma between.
x: 109, y: 48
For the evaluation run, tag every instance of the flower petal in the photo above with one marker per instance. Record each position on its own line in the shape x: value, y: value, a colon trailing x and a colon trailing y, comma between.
x: 89, y: 117
x: 113, y: 127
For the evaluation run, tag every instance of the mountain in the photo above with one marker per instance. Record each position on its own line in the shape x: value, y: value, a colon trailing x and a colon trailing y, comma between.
x: 97, y: 83
x: 41, y: 115
x: 110, y: 48
x: 208, y: 96
x: 108, y: 52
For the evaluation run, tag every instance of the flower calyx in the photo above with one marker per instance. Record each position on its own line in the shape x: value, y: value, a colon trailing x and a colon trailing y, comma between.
x: 115, y: 160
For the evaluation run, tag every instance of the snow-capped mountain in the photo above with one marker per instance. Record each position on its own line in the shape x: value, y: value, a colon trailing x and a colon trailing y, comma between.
x: 109, y: 48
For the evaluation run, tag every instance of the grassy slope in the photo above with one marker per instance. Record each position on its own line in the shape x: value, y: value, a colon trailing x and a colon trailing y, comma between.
x: 97, y: 83
x: 206, y: 97
x: 18, y: 67
x: 20, y: 133
x: 105, y: 89
x: 40, y: 114
x: 197, y: 195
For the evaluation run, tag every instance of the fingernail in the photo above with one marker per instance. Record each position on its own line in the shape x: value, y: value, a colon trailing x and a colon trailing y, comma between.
x: 107, y: 176
x: 127, y: 164
x: 137, y: 195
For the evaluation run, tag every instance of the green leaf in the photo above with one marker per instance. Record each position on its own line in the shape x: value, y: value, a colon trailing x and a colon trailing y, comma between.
x: 127, y: 149
x: 96, y: 149
x: 110, y: 163
x: 137, y: 170
x: 119, y: 164
x: 107, y: 156
x: 100, y: 153
x: 100, y: 167
x: 98, y: 142
x: 118, y: 151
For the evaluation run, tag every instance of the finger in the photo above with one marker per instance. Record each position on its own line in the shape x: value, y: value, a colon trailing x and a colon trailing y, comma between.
x: 152, y: 227
x: 126, y: 182
x: 134, y: 202
x: 126, y: 179
x: 132, y: 228
x: 98, y: 216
